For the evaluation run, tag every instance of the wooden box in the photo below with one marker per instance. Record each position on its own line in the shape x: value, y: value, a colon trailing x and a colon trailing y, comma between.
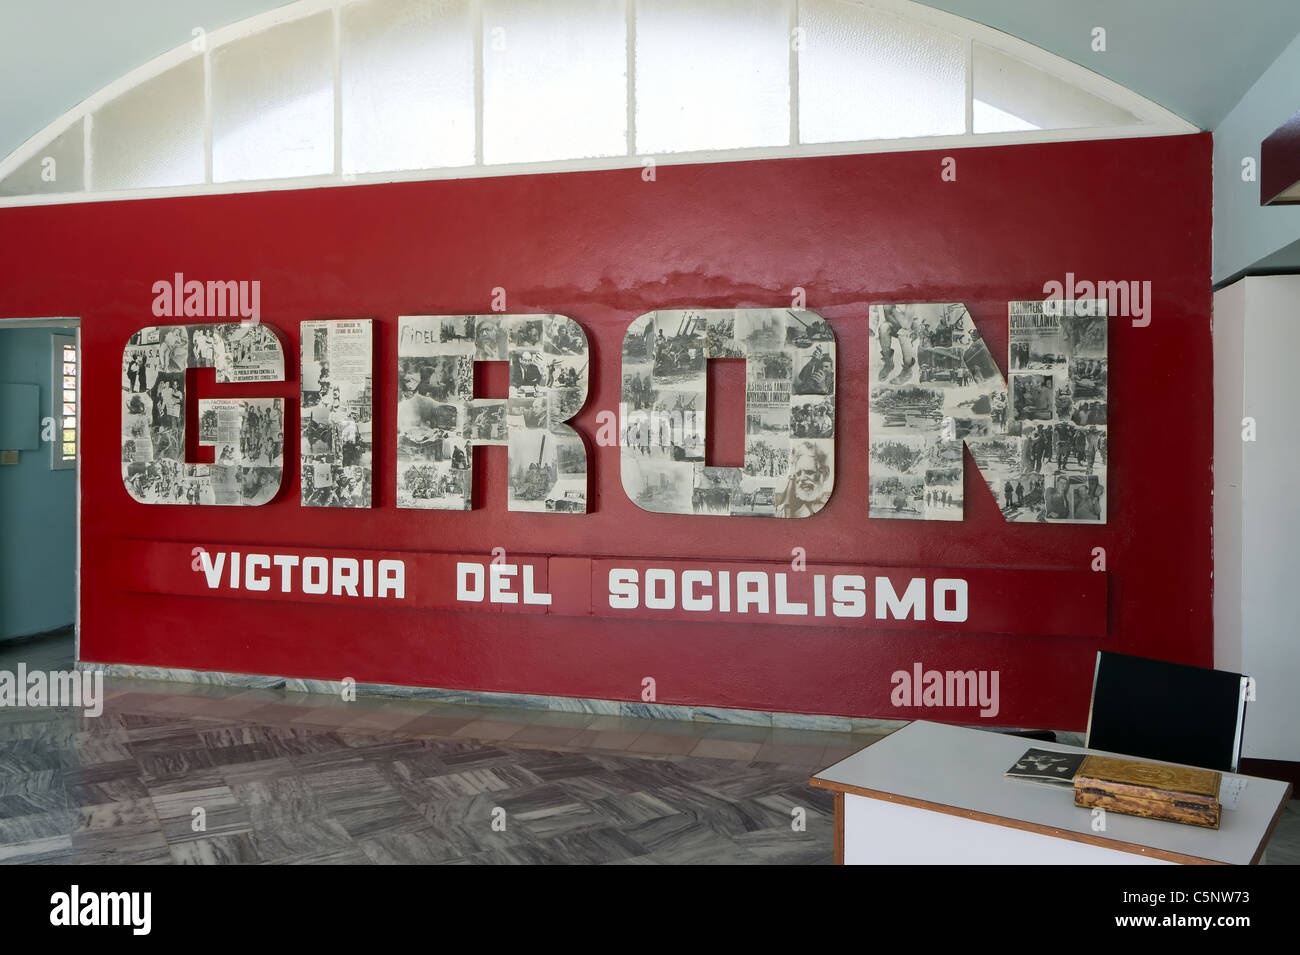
x: 1133, y: 788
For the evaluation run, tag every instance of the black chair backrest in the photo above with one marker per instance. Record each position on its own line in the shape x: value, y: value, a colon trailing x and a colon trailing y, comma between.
x: 1167, y: 711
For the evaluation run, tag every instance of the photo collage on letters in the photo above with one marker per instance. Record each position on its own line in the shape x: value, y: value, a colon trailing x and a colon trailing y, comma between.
x: 1039, y: 440
x: 789, y: 464
x: 439, y: 420
x: 247, y: 434
x: 337, y: 413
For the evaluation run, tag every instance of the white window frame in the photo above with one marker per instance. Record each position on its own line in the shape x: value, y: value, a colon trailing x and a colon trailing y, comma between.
x: 59, y: 341
x: 1153, y: 119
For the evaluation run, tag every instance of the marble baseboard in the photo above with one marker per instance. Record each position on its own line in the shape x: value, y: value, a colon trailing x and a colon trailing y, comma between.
x: 564, y: 704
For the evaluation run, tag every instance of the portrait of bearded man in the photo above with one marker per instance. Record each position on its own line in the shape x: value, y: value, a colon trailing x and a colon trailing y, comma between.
x: 810, y: 482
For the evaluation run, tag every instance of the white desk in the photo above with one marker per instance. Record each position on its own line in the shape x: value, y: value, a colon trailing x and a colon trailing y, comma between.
x: 933, y: 793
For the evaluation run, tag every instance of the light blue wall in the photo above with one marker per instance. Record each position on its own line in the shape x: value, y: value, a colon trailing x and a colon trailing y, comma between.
x: 38, y: 509
x: 1244, y: 231
x: 1194, y: 57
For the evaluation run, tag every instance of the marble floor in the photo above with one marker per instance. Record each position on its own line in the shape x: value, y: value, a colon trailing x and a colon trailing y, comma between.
x: 179, y: 773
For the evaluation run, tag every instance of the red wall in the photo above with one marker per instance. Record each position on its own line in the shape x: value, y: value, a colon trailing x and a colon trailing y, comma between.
x: 604, y: 247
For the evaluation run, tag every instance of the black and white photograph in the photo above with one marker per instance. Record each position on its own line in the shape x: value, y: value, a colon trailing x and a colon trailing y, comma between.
x: 1089, y: 412
x: 247, y: 351
x: 435, y: 382
x: 485, y: 420
x: 1084, y: 329
x: 803, y: 330
x: 568, y: 495
x: 894, y: 343
x: 336, y: 443
x: 990, y: 405
x: 767, y: 457
x: 562, y: 404
x: 136, y: 416
x: 897, y: 496
x: 1089, y: 498
x: 155, y: 482
x: 440, y: 421
x: 439, y: 486
x: 789, y: 404
x: 721, y: 331
x: 943, y: 494
x: 1007, y: 466
x: 524, y: 332
x: 811, y: 478
x: 658, y: 483
x: 456, y: 334
x: 205, y: 343
x: 1088, y: 378
x: 933, y: 376
x: 490, y: 342
x: 904, y: 454
x: 814, y: 371
x: 638, y: 387
x: 1033, y: 397
x: 679, y: 349
x: 258, y: 485
x: 677, y: 424
x: 1034, y: 337
x: 906, y: 409
x: 532, y: 412
x: 1046, y: 766
x: 564, y: 336
x: 242, y: 432
x: 534, y: 469
x: 812, y: 416
x: 717, y: 491
x: 980, y: 364
x: 759, y: 330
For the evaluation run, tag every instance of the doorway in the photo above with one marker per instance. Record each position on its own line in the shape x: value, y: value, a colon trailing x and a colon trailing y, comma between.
x: 40, y: 402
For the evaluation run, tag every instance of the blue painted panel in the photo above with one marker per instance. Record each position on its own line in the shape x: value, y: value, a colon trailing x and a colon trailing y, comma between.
x: 38, y: 508
x: 20, y: 417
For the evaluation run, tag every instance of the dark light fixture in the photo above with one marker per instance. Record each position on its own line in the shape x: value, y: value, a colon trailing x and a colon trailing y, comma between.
x: 1279, y: 174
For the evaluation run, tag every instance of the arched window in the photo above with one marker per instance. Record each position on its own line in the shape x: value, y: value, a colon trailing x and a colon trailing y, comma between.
x: 325, y: 92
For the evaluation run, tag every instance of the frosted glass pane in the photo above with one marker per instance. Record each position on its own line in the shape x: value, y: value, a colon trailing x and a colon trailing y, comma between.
x: 408, y: 85
x: 712, y: 75
x: 1009, y: 92
x: 986, y: 118
x: 273, y: 103
x: 59, y: 167
x: 554, y: 79
x: 151, y: 135
x: 866, y: 74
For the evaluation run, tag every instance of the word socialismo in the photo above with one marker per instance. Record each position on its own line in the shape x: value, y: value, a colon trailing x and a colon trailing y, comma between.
x: 1037, y: 434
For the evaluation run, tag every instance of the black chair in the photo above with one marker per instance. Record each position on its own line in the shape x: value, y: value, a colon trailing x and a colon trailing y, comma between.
x: 1167, y: 711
